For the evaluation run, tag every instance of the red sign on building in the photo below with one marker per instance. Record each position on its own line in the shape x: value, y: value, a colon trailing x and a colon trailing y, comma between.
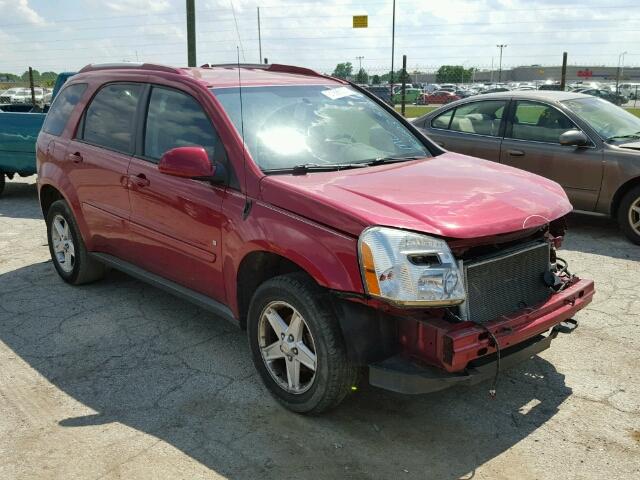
x: 585, y: 73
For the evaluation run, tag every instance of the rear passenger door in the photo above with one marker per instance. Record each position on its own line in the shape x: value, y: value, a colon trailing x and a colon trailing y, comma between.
x: 532, y: 143
x: 473, y: 128
x: 176, y: 222
x: 98, y: 160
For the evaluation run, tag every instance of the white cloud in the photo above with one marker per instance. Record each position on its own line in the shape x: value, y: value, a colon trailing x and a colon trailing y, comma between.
x: 22, y: 11
x: 138, y: 6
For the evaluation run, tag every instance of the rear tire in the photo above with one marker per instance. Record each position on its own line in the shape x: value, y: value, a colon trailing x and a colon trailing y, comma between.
x: 629, y: 215
x: 68, y: 252
x: 317, y: 390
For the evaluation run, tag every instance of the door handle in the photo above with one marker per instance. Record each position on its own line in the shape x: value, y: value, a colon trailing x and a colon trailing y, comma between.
x: 75, y: 157
x: 516, y: 153
x: 139, y: 180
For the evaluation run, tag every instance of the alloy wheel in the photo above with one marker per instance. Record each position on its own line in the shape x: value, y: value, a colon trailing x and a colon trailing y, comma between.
x: 634, y: 216
x: 63, y: 247
x: 287, y: 347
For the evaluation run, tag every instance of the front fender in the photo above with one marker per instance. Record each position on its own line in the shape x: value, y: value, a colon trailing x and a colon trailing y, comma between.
x: 329, y: 257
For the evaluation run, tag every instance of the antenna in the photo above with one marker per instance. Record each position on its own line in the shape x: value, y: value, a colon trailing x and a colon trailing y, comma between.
x: 247, y: 206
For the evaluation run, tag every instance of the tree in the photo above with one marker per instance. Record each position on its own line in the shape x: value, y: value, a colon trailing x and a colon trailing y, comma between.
x: 375, y: 80
x: 25, y: 76
x: 362, y: 77
x: 397, y: 77
x: 453, y: 74
x: 48, y: 79
x: 343, y: 70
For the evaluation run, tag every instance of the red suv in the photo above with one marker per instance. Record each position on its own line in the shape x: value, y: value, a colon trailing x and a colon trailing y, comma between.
x: 309, y: 213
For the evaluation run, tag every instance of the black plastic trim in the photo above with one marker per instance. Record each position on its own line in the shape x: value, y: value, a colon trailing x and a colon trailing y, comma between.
x: 167, y: 285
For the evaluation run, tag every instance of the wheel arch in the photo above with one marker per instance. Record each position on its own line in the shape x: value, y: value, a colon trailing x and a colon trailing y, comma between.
x: 621, y: 192
x: 255, y: 268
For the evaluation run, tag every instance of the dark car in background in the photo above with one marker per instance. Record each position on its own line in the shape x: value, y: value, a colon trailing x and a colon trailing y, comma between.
x: 586, y: 144
x: 608, y: 95
x: 383, y: 92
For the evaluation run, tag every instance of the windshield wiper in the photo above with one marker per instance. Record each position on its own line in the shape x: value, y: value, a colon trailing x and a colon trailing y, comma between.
x: 383, y: 160
x: 629, y: 135
x: 304, y: 168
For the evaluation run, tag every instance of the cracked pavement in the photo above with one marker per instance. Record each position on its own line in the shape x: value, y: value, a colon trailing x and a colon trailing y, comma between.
x: 120, y: 380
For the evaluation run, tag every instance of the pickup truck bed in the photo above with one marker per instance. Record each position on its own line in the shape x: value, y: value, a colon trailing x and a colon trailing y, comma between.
x: 19, y: 129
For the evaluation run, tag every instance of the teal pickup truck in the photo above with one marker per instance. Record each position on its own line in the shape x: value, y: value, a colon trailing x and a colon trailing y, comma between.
x: 19, y: 128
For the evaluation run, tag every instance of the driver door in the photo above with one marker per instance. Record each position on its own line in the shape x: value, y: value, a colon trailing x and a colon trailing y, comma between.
x: 532, y: 143
x: 176, y: 222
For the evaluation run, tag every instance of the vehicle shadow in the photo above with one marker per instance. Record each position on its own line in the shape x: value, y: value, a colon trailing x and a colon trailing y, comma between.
x: 20, y: 199
x: 159, y: 365
x: 600, y: 235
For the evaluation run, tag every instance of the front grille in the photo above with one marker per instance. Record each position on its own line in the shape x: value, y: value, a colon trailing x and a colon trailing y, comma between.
x: 505, y: 283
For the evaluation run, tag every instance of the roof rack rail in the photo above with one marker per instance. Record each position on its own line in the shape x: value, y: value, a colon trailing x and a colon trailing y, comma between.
x: 130, y: 66
x: 272, y: 67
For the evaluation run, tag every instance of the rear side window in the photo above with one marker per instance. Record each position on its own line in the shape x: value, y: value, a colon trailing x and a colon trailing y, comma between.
x: 62, y: 107
x: 442, y: 120
x: 110, y: 118
x: 481, y: 118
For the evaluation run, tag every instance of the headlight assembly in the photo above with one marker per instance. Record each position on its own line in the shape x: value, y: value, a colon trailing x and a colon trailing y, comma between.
x: 409, y: 269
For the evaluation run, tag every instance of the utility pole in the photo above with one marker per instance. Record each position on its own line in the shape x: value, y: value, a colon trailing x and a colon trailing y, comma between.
x: 618, y: 73
x: 33, y: 92
x: 393, y: 46
x: 404, y: 83
x: 259, y: 37
x: 359, y: 58
x: 191, y: 33
x: 501, y: 46
x: 563, y: 78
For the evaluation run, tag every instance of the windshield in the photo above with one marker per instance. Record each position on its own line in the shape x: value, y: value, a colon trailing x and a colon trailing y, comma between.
x: 611, y: 122
x: 287, y: 126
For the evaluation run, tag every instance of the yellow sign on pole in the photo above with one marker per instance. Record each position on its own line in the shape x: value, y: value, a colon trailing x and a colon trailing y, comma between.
x: 360, y: 21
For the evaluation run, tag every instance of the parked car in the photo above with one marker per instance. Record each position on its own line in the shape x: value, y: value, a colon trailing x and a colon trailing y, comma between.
x: 383, y: 92
x: 20, y: 124
x: 550, y: 86
x: 586, y: 144
x: 7, y: 96
x: 495, y: 90
x: 411, y: 94
x: 309, y: 212
x: 441, y: 96
x: 24, y: 96
x: 629, y: 90
x: 608, y: 95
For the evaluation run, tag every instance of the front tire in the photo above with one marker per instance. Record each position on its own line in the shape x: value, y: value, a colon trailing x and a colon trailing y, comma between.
x: 68, y: 252
x: 629, y: 215
x: 297, y: 345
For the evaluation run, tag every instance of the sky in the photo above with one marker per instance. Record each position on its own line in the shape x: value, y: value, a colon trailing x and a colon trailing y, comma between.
x: 58, y: 35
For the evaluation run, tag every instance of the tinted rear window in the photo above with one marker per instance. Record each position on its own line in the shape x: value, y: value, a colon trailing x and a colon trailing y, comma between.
x: 62, y: 107
x: 110, y: 118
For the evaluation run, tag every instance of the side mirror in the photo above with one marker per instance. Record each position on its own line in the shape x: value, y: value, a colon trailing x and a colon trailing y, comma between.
x: 574, y: 138
x: 190, y: 162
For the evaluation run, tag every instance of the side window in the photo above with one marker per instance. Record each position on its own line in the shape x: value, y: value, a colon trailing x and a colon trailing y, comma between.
x: 62, y: 107
x: 175, y: 119
x: 442, y: 120
x: 538, y: 122
x: 110, y: 118
x: 482, y: 118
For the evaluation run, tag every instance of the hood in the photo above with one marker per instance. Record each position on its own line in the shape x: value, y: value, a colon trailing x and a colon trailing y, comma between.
x: 450, y: 195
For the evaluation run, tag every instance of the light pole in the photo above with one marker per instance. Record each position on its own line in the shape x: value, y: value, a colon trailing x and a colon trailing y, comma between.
x: 393, y: 44
x: 500, y: 46
x: 619, y: 72
x: 359, y: 58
